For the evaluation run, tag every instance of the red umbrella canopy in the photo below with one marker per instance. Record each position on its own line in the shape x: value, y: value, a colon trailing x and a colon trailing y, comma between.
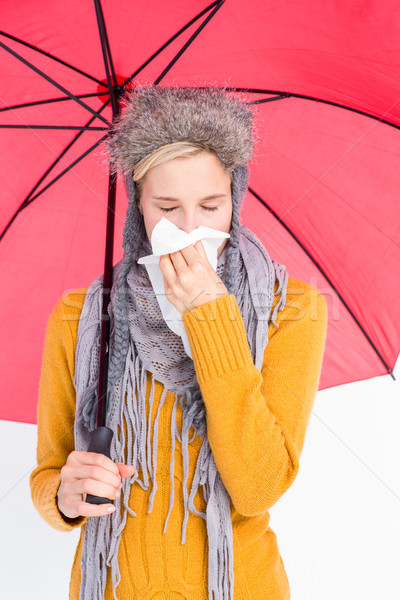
x: 323, y: 192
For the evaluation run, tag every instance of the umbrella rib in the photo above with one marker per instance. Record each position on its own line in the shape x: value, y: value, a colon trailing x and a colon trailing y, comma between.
x: 59, y: 60
x: 272, y: 99
x: 105, y: 47
x: 64, y: 127
x: 284, y: 95
x: 258, y: 197
x: 168, y: 42
x: 51, y: 100
x: 53, y: 82
x: 104, y: 37
x: 190, y: 40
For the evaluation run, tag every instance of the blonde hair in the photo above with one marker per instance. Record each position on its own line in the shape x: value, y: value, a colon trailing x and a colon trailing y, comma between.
x: 181, y: 149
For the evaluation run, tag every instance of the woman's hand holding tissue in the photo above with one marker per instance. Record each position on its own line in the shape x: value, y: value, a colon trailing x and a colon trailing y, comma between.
x: 189, y: 278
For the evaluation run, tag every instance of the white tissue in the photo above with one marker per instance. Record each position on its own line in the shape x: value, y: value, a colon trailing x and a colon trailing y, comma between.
x: 167, y: 238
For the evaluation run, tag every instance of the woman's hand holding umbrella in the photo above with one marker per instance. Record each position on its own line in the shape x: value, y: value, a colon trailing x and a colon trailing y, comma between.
x: 89, y: 473
x: 189, y: 278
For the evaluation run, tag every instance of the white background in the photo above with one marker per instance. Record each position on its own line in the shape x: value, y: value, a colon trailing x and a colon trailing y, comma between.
x: 338, y: 526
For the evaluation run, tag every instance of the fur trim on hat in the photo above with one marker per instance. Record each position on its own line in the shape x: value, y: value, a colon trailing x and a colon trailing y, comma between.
x: 153, y: 116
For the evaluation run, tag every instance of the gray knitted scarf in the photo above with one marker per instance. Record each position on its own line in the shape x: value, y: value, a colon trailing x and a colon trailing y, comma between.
x: 150, y: 350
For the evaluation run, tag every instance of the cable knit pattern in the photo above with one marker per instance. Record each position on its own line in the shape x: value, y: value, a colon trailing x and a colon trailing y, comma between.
x: 256, y: 425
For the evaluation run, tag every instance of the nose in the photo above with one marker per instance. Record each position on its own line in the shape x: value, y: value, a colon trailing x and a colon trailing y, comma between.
x: 188, y: 221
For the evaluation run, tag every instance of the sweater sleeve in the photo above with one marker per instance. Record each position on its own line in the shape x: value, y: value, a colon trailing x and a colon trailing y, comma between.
x: 256, y: 421
x: 56, y: 412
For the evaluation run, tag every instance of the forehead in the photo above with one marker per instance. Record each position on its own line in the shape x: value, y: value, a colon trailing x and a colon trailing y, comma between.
x: 200, y: 171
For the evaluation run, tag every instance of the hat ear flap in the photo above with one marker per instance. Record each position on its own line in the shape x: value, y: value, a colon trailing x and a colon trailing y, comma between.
x: 240, y: 182
x: 134, y: 228
x: 133, y: 235
x: 240, y: 179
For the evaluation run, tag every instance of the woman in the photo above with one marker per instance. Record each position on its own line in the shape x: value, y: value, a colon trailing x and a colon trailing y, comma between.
x: 225, y: 428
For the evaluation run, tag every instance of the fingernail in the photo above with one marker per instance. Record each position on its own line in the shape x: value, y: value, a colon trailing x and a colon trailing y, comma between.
x: 117, y: 494
x: 111, y: 509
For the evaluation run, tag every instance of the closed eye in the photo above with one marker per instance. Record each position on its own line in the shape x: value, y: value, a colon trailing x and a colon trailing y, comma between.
x: 205, y: 208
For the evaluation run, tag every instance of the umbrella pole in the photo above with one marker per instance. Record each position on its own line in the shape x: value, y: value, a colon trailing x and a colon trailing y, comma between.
x: 101, y: 436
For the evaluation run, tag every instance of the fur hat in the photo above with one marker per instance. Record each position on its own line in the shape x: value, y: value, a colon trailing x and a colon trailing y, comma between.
x: 154, y: 116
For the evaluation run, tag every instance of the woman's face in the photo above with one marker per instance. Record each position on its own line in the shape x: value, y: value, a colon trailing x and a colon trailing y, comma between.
x: 188, y: 191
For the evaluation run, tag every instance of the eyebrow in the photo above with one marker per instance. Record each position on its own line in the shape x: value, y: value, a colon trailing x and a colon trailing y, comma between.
x: 169, y: 199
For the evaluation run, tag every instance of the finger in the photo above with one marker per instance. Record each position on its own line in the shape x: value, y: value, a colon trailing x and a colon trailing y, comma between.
x: 96, y: 488
x: 99, y: 474
x: 190, y: 254
x: 166, y: 286
x: 126, y: 470
x: 179, y: 261
x: 85, y: 509
x: 94, y: 458
x: 167, y: 269
x: 200, y: 248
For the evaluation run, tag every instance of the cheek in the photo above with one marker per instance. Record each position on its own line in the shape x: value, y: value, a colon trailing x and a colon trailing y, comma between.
x: 227, y: 221
x: 151, y: 216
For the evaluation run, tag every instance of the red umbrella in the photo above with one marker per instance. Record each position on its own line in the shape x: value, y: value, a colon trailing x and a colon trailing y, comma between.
x: 323, y: 188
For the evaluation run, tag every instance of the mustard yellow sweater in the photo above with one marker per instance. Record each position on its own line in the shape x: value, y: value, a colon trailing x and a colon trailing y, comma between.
x: 256, y: 425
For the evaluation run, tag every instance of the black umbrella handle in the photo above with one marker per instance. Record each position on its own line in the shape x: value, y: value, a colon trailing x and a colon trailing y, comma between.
x: 100, y: 442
